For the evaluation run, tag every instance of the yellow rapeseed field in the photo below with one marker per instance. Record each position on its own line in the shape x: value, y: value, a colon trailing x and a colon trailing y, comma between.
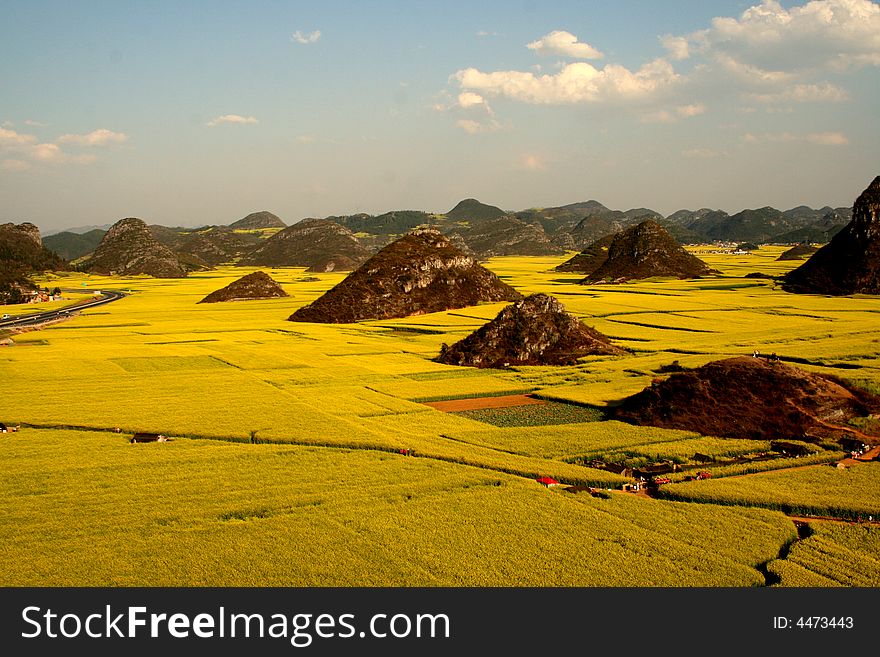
x: 306, y: 422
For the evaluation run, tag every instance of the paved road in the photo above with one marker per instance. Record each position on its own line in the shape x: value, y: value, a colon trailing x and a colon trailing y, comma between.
x: 35, y: 319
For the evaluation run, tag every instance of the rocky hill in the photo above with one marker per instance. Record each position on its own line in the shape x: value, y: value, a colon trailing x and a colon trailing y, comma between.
x: 754, y: 398
x: 258, y: 285
x: 534, y: 331
x: 591, y: 258
x: 22, y: 253
x: 422, y: 272
x: 647, y: 250
x: 316, y: 244
x: 129, y: 248
x: 798, y: 252
x: 258, y: 220
x: 850, y: 262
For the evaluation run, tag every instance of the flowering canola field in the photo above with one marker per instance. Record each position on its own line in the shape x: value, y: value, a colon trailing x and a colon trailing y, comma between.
x: 286, y: 468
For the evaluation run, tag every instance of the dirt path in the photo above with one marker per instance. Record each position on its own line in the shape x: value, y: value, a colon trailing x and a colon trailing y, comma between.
x: 479, y: 403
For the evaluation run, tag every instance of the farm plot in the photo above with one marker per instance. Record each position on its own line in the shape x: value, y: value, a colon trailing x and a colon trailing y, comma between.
x: 820, y: 491
x: 835, y: 554
x: 90, y: 509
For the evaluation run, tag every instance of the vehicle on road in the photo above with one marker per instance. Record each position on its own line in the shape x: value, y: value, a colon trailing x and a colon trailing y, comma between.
x: 5, y: 316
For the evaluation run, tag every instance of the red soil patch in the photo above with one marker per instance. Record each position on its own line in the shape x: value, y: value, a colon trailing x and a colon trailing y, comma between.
x: 479, y: 403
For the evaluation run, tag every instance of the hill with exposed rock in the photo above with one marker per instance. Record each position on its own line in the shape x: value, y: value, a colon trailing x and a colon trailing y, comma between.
x: 258, y: 285
x: 129, y: 248
x: 647, y: 250
x: 755, y: 398
x: 21, y: 254
x: 421, y: 272
x: 534, y: 331
x: 317, y: 244
x: 850, y: 262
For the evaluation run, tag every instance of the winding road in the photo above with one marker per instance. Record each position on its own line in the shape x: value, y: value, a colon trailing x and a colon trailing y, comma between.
x: 35, y: 319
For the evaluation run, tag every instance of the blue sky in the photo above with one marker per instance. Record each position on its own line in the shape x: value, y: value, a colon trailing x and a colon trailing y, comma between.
x: 201, y: 112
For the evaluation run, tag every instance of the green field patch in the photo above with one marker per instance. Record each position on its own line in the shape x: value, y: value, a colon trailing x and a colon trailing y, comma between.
x: 534, y: 415
x: 169, y: 363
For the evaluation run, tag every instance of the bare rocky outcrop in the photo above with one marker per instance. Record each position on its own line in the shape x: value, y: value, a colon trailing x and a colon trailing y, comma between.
x: 647, y: 250
x: 746, y: 397
x: 129, y: 248
x: 534, y: 331
x: 422, y: 272
x: 26, y: 229
x: 21, y: 254
x: 317, y: 244
x: 850, y: 262
x: 257, y: 285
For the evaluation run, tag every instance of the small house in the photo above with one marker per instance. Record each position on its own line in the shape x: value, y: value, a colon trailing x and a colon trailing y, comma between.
x: 546, y: 481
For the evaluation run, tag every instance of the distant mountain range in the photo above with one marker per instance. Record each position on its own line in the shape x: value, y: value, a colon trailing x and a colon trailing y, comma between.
x: 478, y: 228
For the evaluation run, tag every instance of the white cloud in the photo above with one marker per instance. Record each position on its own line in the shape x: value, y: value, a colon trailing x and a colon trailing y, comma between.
x: 305, y: 139
x: 677, y: 46
x: 820, y: 138
x: 469, y: 126
x: 767, y: 56
x: 11, y: 138
x: 232, y: 118
x: 532, y: 162
x: 470, y: 99
x: 15, y: 165
x: 35, y: 124
x: 575, y: 83
x: 700, y: 153
x: 687, y: 111
x: 828, y: 138
x: 566, y: 44
x: 48, y: 153
x: 484, y: 33
x: 659, y: 116
x: 100, y: 137
x: 803, y: 93
x: 819, y: 33
x: 673, y: 115
x: 305, y: 38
